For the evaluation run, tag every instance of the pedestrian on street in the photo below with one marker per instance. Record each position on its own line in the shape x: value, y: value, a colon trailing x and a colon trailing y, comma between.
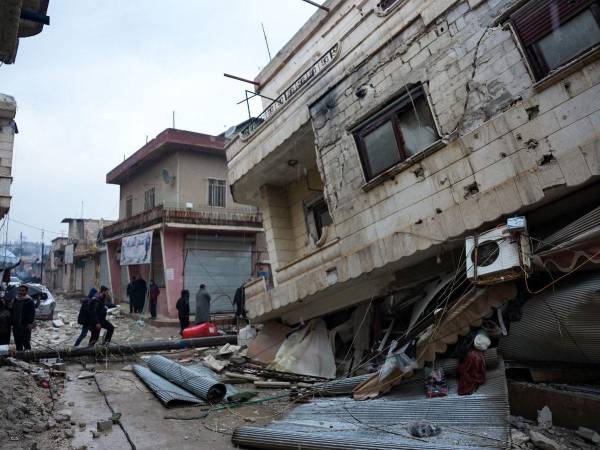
x: 131, y: 294
x: 106, y: 298
x: 23, y: 316
x: 140, y: 294
x: 239, y: 301
x: 83, y: 317
x: 5, y: 320
x: 153, y: 294
x: 183, y: 310
x: 202, y: 305
x: 97, y: 321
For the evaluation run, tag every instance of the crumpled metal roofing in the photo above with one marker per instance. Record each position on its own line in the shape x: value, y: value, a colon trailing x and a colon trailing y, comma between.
x: 581, y: 228
x: 561, y: 324
x: 167, y: 392
x: 467, y: 422
x: 205, y: 388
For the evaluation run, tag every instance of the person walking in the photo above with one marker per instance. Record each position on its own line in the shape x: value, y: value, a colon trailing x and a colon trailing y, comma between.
x: 183, y: 310
x: 202, y: 305
x: 5, y: 320
x: 140, y: 294
x: 97, y: 321
x: 131, y: 294
x: 23, y: 316
x: 239, y: 301
x: 83, y: 317
x: 153, y: 294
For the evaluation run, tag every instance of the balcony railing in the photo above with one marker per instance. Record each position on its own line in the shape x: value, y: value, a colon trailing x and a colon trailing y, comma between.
x: 300, y: 83
x: 198, y: 215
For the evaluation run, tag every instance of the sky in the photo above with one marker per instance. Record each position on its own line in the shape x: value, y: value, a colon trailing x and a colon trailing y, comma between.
x: 105, y: 75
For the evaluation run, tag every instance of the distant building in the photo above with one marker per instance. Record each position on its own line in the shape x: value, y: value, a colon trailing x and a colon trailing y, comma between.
x: 178, y: 223
x: 78, y: 262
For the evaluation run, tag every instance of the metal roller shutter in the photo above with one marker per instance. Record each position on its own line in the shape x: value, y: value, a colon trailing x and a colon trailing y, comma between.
x: 89, y: 276
x: 222, y: 263
x: 104, y: 280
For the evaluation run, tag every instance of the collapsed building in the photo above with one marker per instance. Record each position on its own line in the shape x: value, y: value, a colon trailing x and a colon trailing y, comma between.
x: 428, y: 172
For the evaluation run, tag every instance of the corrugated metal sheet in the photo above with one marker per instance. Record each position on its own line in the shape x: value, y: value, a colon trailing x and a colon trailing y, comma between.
x: 167, y: 392
x: 562, y: 324
x: 205, y: 388
x: 580, y: 228
x: 231, y: 395
x: 467, y: 422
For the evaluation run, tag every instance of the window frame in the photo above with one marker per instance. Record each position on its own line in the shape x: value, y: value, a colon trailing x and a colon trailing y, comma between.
x: 535, y: 59
x: 147, y: 205
x: 316, y: 209
x: 390, y: 112
x: 218, y: 183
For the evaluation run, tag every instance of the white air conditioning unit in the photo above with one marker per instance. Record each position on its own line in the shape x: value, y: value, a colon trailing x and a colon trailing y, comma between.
x: 189, y: 205
x: 497, y: 255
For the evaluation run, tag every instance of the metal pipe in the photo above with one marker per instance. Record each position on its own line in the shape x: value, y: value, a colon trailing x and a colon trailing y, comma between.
x: 33, y: 16
x: 245, y: 80
x: 125, y: 349
x: 310, y: 2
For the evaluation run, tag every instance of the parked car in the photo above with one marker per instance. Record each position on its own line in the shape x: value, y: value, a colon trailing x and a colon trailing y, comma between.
x: 44, y: 301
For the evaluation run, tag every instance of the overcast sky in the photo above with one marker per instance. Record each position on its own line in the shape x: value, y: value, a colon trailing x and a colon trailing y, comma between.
x: 106, y: 74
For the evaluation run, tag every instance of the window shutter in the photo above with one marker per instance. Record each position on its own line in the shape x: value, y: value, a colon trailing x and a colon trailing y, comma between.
x: 538, y: 17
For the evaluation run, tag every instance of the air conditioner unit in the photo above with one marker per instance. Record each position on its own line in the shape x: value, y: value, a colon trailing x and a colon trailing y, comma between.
x: 497, y: 255
x: 189, y: 205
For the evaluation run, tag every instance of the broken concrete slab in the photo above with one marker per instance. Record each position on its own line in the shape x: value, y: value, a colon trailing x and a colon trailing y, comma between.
x: 84, y: 374
x: 543, y: 442
x: 104, y: 425
x: 58, y: 323
x: 589, y: 435
x: 544, y: 418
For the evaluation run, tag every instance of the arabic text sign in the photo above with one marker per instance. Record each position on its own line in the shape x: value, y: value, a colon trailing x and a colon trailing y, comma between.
x: 136, y: 249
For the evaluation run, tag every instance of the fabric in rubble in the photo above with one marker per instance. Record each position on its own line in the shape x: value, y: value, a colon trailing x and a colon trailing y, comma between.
x: 307, y: 352
x: 435, y: 383
x: 471, y: 372
x: 265, y: 346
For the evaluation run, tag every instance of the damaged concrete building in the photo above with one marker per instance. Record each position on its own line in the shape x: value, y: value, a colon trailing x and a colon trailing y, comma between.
x: 429, y: 168
x: 399, y: 127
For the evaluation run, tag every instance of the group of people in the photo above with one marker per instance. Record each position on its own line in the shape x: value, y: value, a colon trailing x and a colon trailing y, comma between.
x: 92, y: 317
x: 17, y: 316
x: 202, y: 307
x: 137, y: 290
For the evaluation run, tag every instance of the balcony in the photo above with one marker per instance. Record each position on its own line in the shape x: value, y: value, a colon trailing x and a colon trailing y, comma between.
x: 239, y: 216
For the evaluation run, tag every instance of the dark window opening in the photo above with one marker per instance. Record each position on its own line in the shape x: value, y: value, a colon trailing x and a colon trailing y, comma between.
x: 554, y: 32
x: 402, y: 129
x: 149, y: 199
x: 321, y: 216
x: 129, y: 207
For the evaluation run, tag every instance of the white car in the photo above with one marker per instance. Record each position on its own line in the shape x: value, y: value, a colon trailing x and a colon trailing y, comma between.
x: 44, y: 301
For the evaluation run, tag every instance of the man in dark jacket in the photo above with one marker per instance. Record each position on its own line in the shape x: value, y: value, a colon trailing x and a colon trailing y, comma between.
x: 140, y: 289
x: 5, y: 320
x: 23, y: 316
x: 202, y: 305
x: 153, y: 294
x: 239, y: 301
x: 97, y: 321
x: 183, y: 309
x: 131, y: 294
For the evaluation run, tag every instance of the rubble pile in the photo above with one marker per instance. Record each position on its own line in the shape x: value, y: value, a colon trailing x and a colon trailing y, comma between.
x: 545, y: 436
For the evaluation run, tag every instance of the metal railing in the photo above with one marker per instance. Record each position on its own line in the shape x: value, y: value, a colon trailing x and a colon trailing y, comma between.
x: 201, y: 215
x: 300, y: 83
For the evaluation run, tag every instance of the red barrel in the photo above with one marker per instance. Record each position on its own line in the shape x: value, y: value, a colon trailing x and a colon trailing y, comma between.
x: 205, y: 329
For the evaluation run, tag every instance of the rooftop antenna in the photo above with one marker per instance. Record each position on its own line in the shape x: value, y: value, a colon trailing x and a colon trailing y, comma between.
x: 173, y: 119
x: 146, y: 139
x: 310, y: 2
x: 266, y: 40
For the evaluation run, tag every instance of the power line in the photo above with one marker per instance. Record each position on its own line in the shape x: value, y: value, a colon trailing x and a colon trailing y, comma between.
x: 60, y: 233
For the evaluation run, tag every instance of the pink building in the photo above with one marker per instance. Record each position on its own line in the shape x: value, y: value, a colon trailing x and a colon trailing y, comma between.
x: 174, y: 189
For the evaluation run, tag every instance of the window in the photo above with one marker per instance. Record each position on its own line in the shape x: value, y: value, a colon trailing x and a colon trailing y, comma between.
x: 129, y: 207
x: 321, y: 217
x: 554, y: 32
x: 149, y: 202
x: 217, y: 192
x: 401, y: 130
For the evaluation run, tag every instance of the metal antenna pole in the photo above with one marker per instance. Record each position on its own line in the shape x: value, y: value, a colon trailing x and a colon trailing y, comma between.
x: 266, y: 40
x: 310, y: 2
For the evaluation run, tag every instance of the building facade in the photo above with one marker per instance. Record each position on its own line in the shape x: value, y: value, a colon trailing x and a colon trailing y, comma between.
x: 401, y: 126
x: 18, y: 19
x: 175, y: 188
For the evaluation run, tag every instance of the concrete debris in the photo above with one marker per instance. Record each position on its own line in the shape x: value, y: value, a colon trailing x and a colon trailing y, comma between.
x: 104, y: 425
x: 212, y: 363
x: 229, y: 349
x: 518, y: 438
x: 95, y: 434
x: 543, y: 442
x: 589, y: 435
x: 544, y: 418
x: 84, y: 374
x: 58, y: 323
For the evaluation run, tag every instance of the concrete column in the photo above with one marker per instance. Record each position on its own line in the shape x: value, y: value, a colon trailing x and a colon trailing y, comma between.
x: 114, y: 272
x: 173, y: 259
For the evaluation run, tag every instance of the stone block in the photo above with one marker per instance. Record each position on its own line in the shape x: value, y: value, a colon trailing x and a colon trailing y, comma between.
x: 508, y: 196
x: 591, y: 153
x: 578, y: 107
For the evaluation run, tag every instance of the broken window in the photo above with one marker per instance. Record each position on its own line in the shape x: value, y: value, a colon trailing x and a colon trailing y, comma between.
x: 217, y: 192
x: 129, y: 207
x: 318, y: 217
x: 402, y: 129
x: 554, y: 32
x: 149, y: 199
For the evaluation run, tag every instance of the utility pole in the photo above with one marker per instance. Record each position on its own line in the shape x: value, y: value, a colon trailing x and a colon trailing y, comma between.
x: 42, y: 261
x: 21, y: 246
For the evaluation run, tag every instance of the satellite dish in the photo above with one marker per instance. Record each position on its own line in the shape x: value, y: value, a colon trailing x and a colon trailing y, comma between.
x: 167, y: 177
